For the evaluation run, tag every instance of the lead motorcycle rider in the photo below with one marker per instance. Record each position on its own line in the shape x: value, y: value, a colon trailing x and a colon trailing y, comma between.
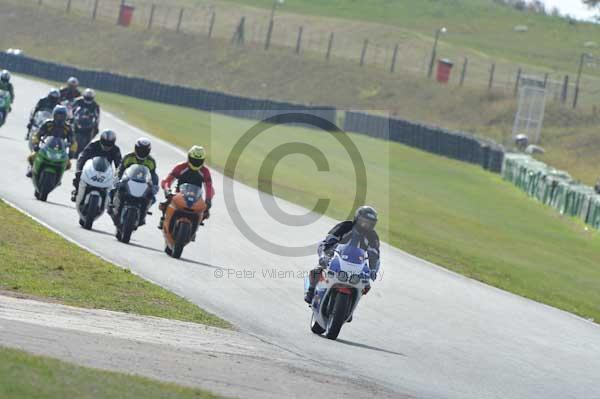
x: 104, y: 147
x: 193, y: 172
x: 364, y: 223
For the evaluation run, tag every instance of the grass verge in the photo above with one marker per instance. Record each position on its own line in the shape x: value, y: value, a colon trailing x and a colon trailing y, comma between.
x: 56, y: 269
x: 448, y: 212
x: 24, y: 376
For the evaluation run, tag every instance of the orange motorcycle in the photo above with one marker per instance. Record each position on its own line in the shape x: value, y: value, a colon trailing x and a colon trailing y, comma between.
x: 182, y: 216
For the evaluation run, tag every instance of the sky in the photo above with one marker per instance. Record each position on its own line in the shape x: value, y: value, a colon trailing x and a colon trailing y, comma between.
x: 575, y: 8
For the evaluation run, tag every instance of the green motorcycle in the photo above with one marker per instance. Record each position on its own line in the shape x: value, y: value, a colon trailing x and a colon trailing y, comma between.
x: 49, y: 165
x: 5, y: 101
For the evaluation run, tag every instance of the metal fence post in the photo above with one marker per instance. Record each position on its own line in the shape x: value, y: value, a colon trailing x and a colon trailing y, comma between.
x: 269, y: 34
x: 95, y: 10
x: 394, y: 58
x: 516, y: 89
x: 299, y: 40
x: 151, y: 19
x: 492, y: 72
x: 565, y: 90
x: 212, y: 24
x: 329, y: 47
x: 463, y: 73
x: 364, y: 52
x: 180, y: 20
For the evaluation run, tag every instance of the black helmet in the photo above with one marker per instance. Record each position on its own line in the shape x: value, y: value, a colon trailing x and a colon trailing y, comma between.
x: 108, y: 139
x: 5, y: 76
x: 89, y: 95
x: 54, y: 94
x: 73, y: 82
x: 59, y: 115
x: 365, y: 219
x: 142, y: 148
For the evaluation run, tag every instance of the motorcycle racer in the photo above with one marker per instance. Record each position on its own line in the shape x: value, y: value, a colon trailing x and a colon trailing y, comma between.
x: 364, y: 223
x: 193, y: 172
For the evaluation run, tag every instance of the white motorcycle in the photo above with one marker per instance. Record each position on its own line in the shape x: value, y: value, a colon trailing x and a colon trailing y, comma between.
x: 339, y: 289
x: 97, y: 178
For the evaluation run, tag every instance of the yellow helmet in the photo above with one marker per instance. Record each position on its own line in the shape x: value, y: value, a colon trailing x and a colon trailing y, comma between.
x: 196, y: 157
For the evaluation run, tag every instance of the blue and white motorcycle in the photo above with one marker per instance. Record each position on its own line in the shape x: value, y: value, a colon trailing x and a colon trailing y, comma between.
x: 339, y: 289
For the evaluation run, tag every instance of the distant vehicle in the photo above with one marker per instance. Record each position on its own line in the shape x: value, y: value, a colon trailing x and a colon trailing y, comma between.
x: 97, y: 178
x: 182, y: 217
x: 131, y: 201
x: 340, y: 289
x: 49, y: 166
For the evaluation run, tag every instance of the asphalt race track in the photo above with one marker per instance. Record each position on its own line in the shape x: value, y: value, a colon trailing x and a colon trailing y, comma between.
x: 422, y: 331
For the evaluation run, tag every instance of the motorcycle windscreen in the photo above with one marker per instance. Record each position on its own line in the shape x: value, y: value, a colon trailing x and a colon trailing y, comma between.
x: 137, y: 189
x: 138, y: 174
x: 4, y: 98
x: 191, y: 193
x: 41, y: 117
x: 84, y: 120
x: 54, y: 148
x: 100, y: 164
x: 352, y: 254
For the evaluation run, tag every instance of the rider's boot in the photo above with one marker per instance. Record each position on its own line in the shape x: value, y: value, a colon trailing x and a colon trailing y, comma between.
x: 73, y: 195
x: 310, y: 294
x: 161, y: 222
x: 29, y: 172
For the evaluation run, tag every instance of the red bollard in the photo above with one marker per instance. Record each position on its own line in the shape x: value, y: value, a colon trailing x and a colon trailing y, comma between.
x: 126, y: 15
x: 444, y: 70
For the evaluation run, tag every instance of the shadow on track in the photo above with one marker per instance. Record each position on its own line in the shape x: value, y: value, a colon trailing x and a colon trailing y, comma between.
x: 146, y: 248
x: 373, y: 348
x: 202, y: 264
x: 61, y: 205
x: 9, y: 138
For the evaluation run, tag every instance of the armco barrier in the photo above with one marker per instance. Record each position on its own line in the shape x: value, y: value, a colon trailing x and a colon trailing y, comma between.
x: 455, y: 145
x: 553, y: 187
x: 242, y: 107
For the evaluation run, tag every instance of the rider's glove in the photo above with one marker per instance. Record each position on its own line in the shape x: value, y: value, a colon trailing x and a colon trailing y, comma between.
x: 208, y: 204
x: 324, y: 261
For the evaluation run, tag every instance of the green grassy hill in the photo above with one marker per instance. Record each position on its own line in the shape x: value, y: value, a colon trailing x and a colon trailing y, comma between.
x: 569, y: 137
x: 483, y: 25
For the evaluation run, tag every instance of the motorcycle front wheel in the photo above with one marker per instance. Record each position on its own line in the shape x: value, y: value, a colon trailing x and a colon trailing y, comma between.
x: 338, y: 316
